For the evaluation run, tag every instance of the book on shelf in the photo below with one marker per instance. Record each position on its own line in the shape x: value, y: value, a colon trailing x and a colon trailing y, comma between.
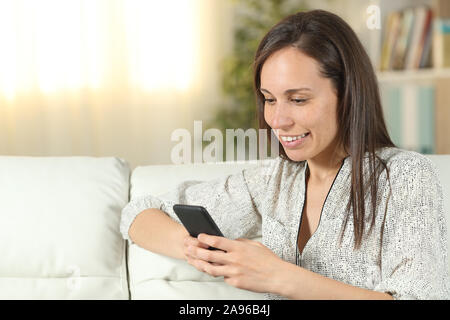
x: 404, y: 36
x: 390, y: 35
x: 407, y: 41
x: 441, y: 8
x: 441, y: 44
x: 442, y: 110
x: 409, y: 112
x: 422, y: 59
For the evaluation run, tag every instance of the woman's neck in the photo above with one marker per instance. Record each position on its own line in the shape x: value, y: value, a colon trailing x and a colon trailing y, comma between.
x: 323, y: 168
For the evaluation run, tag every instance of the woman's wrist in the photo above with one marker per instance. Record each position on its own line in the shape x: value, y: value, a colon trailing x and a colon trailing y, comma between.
x: 287, y: 279
x: 180, y: 235
x: 294, y: 282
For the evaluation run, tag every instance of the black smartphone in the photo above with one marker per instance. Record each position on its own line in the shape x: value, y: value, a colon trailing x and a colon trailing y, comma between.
x: 196, y: 220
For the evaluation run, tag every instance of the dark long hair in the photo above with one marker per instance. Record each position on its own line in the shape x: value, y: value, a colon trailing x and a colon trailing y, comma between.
x: 341, y: 57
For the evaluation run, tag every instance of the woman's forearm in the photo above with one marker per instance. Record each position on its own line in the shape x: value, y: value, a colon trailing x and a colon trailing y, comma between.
x: 154, y: 230
x: 299, y: 283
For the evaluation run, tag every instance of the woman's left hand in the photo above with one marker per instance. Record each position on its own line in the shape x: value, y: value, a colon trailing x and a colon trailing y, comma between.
x: 243, y: 263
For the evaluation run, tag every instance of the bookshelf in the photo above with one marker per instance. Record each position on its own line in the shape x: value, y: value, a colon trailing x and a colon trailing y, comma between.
x: 423, y: 75
x: 416, y: 100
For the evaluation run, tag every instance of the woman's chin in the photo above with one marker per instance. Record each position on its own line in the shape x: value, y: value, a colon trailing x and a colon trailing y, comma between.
x: 296, y: 156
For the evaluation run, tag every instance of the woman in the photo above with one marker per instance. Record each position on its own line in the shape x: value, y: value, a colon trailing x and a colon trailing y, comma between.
x: 344, y: 214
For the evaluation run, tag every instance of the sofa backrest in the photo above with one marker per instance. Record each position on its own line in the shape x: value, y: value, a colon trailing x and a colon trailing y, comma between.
x: 59, y: 234
x: 442, y: 163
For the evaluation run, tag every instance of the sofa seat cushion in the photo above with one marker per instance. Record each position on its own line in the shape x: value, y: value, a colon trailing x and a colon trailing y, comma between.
x: 154, y: 276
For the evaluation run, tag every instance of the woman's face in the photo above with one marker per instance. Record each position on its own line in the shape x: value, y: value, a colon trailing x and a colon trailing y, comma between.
x: 299, y: 101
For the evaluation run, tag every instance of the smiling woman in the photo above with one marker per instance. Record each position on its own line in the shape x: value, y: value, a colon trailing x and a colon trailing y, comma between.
x: 344, y: 214
x: 341, y: 110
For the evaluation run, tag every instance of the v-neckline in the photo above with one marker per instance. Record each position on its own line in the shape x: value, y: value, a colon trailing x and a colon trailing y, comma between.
x: 329, y: 194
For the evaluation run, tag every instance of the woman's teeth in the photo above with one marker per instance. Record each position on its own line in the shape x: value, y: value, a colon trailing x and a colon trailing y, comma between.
x: 289, y: 139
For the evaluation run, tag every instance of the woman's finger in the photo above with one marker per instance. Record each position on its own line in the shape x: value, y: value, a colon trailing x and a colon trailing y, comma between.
x: 194, y: 242
x: 213, y: 256
x: 210, y: 268
x: 188, y: 242
x: 221, y: 243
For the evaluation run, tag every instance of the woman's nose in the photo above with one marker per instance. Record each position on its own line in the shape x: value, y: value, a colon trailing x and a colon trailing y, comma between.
x: 281, y: 118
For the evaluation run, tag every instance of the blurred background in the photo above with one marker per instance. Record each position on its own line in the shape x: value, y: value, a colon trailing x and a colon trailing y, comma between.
x: 117, y: 77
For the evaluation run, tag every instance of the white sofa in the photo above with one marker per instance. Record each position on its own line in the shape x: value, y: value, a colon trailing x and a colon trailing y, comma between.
x: 60, y: 236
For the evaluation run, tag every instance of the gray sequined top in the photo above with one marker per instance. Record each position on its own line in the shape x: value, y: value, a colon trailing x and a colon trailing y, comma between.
x: 408, y: 259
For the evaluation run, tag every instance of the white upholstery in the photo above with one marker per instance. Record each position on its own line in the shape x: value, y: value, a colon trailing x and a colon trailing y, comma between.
x: 59, y: 234
x: 442, y: 163
x: 153, y: 276
x: 159, y: 179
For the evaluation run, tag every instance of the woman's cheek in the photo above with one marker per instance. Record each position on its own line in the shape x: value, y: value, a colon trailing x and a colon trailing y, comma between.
x: 267, y: 117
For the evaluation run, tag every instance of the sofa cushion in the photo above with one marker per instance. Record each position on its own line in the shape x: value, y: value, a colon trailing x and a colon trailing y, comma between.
x: 154, y: 276
x: 60, y: 228
x: 442, y: 163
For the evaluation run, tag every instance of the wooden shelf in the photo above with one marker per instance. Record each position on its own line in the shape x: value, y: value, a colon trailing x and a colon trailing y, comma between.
x: 413, y: 75
x: 437, y: 78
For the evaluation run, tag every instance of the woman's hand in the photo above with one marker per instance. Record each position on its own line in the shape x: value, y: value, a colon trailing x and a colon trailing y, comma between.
x: 249, y: 265
x: 243, y: 263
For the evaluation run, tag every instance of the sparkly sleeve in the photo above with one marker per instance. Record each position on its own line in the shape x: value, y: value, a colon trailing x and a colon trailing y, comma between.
x: 414, y: 263
x: 233, y: 202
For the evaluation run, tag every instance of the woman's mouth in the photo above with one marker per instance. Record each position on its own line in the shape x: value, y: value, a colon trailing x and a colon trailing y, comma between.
x: 293, y: 141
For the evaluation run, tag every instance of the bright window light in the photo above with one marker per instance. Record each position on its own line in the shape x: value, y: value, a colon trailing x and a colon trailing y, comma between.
x: 48, y: 45
x: 161, y: 41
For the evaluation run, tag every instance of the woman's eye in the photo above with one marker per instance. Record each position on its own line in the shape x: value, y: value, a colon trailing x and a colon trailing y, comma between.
x: 299, y: 100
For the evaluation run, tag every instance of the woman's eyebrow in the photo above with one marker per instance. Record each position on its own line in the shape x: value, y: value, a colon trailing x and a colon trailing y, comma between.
x: 289, y: 91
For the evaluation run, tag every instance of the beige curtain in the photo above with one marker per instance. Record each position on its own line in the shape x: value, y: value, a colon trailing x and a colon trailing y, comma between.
x: 108, y: 77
